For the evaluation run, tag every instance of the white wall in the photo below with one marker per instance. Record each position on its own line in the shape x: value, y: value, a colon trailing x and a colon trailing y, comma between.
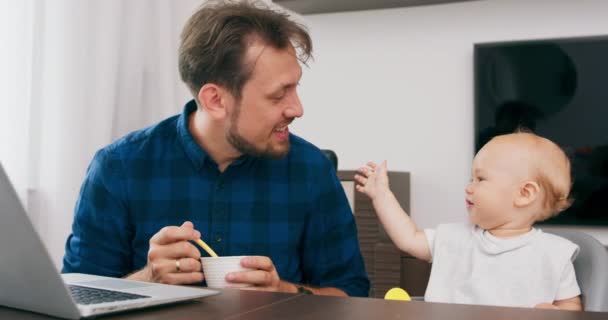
x: 107, y: 68
x: 397, y: 84
x: 16, y: 34
x: 75, y: 76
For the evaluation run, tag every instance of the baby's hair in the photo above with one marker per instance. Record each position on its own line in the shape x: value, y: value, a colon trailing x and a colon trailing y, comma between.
x: 557, y: 197
x: 522, y: 129
x: 555, y: 200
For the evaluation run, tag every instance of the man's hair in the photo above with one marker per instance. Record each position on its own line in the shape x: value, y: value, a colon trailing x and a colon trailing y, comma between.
x: 215, y: 40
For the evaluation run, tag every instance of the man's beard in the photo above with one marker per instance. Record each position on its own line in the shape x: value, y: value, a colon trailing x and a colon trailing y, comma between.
x: 245, y: 147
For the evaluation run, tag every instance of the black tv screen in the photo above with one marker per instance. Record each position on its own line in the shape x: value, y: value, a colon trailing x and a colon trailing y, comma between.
x: 557, y: 88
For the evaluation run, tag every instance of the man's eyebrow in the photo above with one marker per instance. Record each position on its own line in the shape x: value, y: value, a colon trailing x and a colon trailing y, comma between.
x: 278, y: 90
x: 288, y: 85
x: 284, y: 86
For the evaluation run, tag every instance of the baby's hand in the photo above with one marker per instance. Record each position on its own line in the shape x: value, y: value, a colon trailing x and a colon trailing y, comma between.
x: 372, y: 179
x: 549, y: 306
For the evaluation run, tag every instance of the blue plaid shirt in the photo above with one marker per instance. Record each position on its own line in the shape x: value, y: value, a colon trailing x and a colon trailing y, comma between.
x: 292, y: 210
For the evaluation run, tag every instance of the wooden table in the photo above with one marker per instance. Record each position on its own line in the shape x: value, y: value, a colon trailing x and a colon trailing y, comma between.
x: 229, y: 303
x: 334, y: 308
x: 250, y: 305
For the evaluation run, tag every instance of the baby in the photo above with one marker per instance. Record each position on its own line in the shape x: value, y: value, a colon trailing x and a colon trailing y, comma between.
x: 498, y: 258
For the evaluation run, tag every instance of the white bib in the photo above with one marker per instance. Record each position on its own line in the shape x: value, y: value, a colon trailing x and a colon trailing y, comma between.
x: 471, y: 266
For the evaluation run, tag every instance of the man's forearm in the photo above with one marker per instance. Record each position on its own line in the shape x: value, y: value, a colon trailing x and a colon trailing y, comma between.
x: 326, y: 291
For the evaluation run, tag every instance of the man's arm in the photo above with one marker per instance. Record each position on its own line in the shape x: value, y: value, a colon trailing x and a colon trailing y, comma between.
x: 331, y: 257
x: 328, y: 291
x: 99, y: 243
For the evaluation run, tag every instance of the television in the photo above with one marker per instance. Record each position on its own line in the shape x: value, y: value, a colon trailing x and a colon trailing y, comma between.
x: 557, y: 88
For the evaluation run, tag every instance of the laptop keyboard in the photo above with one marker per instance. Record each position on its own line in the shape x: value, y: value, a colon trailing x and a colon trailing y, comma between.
x: 86, y: 295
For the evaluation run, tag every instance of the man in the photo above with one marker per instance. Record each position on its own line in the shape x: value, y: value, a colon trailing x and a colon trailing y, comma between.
x: 227, y: 165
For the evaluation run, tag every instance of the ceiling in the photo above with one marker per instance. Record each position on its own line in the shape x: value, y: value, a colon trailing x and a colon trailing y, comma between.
x: 327, y: 6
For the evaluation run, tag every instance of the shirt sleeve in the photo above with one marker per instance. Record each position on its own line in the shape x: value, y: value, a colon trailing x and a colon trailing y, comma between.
x: 568, y: 286
x: 331, y: 253
x: 99, y: 243
x: 430, y: 238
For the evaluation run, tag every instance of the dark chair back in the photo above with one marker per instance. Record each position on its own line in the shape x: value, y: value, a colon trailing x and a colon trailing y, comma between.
x: 332, y: 157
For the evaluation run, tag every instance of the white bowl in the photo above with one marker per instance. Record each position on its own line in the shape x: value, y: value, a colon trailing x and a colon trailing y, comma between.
x: 216, y: 268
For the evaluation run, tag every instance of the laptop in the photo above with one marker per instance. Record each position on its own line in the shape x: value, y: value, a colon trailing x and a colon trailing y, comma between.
x: 30, y: 281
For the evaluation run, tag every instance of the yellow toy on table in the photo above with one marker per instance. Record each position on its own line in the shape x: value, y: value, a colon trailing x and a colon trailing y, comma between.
x: 397, y: 294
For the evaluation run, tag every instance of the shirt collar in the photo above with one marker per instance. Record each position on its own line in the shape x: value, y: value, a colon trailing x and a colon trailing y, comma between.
x: 197, y: 155
x: 494, y: 245
x: 194, y: 151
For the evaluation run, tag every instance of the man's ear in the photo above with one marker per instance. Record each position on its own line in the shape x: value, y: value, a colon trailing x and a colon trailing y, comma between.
x: 527, y: 193
x: 211, y: 99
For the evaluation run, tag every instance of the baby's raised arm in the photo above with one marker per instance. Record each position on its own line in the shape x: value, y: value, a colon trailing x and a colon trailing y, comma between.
x: 373, y: 181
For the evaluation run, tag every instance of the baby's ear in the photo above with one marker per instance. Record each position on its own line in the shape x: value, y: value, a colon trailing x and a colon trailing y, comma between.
x: 527, y: 193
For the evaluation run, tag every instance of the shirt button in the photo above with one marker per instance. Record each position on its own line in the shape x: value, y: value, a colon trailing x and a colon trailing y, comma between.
x: 218, y: 238
x: 220, y: 184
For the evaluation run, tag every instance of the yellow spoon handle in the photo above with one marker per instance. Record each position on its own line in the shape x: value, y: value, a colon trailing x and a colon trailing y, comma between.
x: 206, y: 247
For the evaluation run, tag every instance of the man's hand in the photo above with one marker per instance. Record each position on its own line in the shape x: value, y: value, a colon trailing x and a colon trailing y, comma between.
x: 171, y: 258
x: 263, y: 278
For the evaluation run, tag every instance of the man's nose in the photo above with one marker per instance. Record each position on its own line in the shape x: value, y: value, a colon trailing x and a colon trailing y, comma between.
x: 294, y: 108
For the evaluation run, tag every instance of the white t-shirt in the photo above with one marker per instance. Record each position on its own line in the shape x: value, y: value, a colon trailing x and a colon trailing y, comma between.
x: 471, y: 266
